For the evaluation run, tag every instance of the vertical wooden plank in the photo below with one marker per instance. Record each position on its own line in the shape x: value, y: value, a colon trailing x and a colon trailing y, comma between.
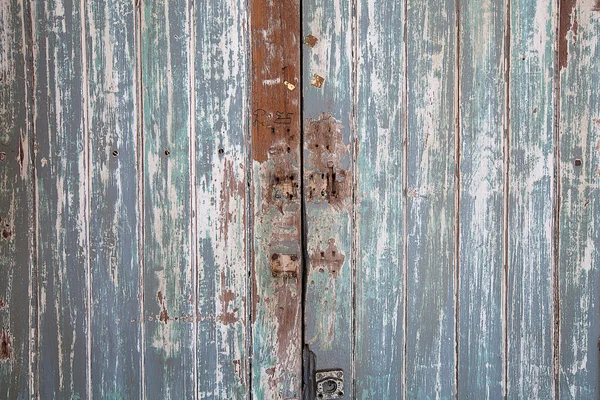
x: 579, y: 202
x: 430, y: 335
x: 481, y: 202
x: 61, y: 179
x: 379, y: 200
x: 328, y: 185
x: 277, y: 258
x: 531, y: 199
x: 221, y: 88
x: 115, y: 270
x: 16, y: 203
x: 169, y: 299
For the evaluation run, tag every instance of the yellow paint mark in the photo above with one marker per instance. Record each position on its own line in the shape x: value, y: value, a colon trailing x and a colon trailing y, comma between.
x: 289, y: 85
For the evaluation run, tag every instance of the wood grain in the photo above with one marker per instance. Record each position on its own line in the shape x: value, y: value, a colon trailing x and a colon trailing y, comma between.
x: 276, y: 211
x: 531, y: 200
x: 328, y: 140
x: 17, y: 257
x: 481, y: 202
x: 579, y: 201
x: 116, y: 319
x: 431, y: 212
x: 61, y: 201
x: 169, y: 292
x: 221, y: 86
x: 380, y: 273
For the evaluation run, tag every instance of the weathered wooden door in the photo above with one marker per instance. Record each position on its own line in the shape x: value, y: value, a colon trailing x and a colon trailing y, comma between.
x: 286, y: 199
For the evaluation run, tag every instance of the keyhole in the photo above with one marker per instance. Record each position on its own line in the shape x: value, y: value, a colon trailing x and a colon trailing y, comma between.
x: 329, y: 386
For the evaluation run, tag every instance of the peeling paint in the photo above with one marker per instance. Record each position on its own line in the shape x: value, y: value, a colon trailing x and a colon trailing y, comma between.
x: 568, y: 23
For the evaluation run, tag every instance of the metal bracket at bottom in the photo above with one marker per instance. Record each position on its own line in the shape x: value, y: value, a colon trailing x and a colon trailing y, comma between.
x: 330, y: 384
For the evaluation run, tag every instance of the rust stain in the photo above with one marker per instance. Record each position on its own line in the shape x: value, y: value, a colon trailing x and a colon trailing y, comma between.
x: 596, y: 6
x: 7, y: 232
x: 284, y: 265
x: 5, y: 346
x: 329, y: 259
x: 326, y: 181
x: 310, y: 40
x: 317, y: 81
x: 3, y: 304
x: 164, y: 315
x: 567, y: 7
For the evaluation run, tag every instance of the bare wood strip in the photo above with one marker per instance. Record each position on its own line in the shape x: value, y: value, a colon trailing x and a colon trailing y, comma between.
x: 277, y: 259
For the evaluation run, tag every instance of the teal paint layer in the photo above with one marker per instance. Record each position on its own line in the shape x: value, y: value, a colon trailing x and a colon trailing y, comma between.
x: 116, y: 320
x: 380, y: 109
x: 17, y: 257
x: 579, y: 202
x: 431, y: 168
x: 169, y: 293
x: 328, y: 186
x: 62, y: 195
x: 482, y: 102
x: 531, y: 200
x: 221, y: 85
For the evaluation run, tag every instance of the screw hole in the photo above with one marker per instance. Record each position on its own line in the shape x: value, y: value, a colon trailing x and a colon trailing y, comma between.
x: 115, y: 153
x: 167, y: 152
x: 221, y: 151
x: 578, y: 162
x: 273, y: 130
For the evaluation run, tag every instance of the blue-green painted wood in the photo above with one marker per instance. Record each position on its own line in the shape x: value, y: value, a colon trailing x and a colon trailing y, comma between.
x: 61, y: 198
x: 17, y: 255
x: 221, y: 85
x: 431, y: 212
x: 380, y: 131
x: 531, y: 200
x: 116, y: 325
x: 169, y: 293
x: 481, y: 198
x: 579, y: 202
x: 328, y: 186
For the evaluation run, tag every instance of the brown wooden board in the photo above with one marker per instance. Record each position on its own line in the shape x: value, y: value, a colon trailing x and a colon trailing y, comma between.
x: 276, y: 213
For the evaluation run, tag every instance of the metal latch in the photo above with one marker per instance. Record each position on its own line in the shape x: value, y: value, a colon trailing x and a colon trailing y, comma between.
x: 330, y: 384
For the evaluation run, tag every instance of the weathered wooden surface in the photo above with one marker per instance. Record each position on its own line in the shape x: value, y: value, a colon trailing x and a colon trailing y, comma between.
x: 221, y: 86
x: 431, y: 211
x: 115, y: 268
x: 579, y: 190
x: 152, y: 187
x: 276, y: 211
x: 481, y: 94
x: 328, y: 188
x: 61, y: 200
x: 530, y: 262
x: 17, y: 301
x: 169, y: 274
x: 380, y: 203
